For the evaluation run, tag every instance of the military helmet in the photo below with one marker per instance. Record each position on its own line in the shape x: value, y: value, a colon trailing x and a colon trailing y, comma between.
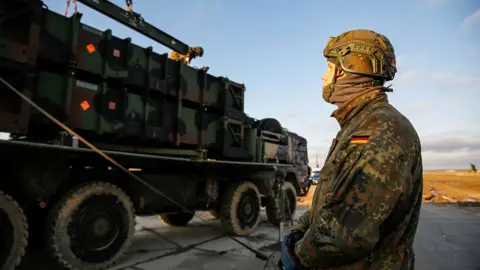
x: 363, y: 52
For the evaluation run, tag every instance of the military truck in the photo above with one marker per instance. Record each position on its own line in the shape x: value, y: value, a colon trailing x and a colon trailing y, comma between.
x: 102, y: 129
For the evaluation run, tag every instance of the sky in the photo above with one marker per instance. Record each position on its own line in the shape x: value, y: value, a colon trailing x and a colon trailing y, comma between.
x: 275, y: 49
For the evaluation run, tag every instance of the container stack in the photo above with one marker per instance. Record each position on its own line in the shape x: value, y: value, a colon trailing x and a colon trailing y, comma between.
x: 112, y: 90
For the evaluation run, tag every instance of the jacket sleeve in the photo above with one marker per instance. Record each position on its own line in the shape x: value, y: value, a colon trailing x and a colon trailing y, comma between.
x: 360, y: 197
x: 303, y: 222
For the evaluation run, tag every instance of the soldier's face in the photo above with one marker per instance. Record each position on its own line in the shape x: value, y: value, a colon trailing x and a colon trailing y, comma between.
x: 328, y: 76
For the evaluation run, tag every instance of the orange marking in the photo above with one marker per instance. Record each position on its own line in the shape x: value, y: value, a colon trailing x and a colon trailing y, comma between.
x: 91, y: 48
x: 116, y: 53
x: 85, y: 106
x: 112, y: 105
x: 43, y: 204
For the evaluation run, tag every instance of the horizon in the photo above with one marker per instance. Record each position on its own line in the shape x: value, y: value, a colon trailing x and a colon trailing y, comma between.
x: 280, y: 61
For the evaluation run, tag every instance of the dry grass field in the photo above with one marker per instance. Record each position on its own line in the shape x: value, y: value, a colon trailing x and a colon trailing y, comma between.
x: 443, y: 187
x: 438, y: 187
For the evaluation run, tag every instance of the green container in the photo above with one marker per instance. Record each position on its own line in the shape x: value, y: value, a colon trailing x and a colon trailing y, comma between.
x: 105, y: 109
x: 69, y: 43
x: 146, y: 69
x: 19, y: 35
x: 76, y: 102
x: 197, y: 86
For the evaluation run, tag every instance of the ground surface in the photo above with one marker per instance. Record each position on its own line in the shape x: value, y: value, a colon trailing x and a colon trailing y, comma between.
x: 451, y: 187
x: 439, y: 187
x: 447, y: 238
x: 198, y: 246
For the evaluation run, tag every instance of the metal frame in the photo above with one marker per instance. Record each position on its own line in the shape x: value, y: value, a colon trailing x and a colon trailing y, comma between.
x: 136, y: 22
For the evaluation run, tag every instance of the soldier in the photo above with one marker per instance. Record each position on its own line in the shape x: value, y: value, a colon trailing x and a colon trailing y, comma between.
x: 193, y: 52
x: 366, y: 207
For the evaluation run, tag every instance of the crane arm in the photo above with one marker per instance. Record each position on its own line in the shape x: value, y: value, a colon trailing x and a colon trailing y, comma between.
x: 136, y: 22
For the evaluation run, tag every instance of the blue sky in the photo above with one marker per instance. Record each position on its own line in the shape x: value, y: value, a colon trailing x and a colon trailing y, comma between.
x: 276, y: 50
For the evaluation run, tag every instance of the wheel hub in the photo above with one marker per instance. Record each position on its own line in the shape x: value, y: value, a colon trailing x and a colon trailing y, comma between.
x: 96, y: 228
x: 101, y: 226
x: 247, y: 210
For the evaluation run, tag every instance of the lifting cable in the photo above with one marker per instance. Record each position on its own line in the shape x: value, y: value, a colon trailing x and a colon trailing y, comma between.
x: 75, y: 10
x: 128, y: 6
x: 258, y: 254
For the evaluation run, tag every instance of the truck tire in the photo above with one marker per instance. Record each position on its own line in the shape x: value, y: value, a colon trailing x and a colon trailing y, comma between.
x: 13, y: 233
x: 91, y: 227
x: 239, y: 210
x: 177, y: 219
x: 273, y: 205
x: 306, y: 189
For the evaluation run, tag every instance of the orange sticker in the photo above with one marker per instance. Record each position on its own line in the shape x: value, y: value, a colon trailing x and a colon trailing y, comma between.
x: 112, y: 105
x: 85, y: 106
x: 116, y: 53
x: 91, y: 48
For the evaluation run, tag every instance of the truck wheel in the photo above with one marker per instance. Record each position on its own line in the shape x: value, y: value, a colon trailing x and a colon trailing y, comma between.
x: 306, y: 189
x: 13, y: 233
x: 273, y: 205
x: 91, y: 227
x: 239, y: 209
x: 176, y: 219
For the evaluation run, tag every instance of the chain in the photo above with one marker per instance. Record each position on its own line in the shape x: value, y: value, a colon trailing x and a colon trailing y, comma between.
x: 129, y: 4
x: 74, y: 7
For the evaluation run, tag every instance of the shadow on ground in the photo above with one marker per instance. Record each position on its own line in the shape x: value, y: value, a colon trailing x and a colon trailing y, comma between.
x: 196, y: 246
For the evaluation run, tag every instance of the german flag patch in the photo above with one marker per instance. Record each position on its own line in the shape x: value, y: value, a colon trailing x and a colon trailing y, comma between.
x: 359, y: 139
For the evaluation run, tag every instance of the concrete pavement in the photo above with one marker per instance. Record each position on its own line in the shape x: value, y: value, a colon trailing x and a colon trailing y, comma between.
x: 448, y: 237
x: 197, y: 246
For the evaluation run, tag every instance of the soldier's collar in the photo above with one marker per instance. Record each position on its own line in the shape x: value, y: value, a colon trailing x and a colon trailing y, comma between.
x: 346, y: 112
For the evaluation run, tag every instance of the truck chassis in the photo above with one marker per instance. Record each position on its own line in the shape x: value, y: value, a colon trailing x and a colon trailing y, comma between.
x: 81, y: 210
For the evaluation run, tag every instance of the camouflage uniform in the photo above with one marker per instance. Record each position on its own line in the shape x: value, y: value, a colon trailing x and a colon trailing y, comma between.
x: 366, y: 206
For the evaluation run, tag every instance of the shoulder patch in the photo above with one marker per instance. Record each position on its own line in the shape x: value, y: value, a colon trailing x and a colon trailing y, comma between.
x: 359, y: 139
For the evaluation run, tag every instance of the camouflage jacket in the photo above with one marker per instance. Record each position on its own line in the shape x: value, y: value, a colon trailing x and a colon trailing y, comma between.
x: 366, y: 206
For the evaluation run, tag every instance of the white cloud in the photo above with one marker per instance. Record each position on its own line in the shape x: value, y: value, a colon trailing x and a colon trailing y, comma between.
x: 449, y: 143
x: 457, y: 159
x: 421, y: 106
x: 453, y: 150
x: 291, y: 115
x: 408, y: 76
x: 456, y: 80
x: 472, y: 20
x: 452, y: 103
